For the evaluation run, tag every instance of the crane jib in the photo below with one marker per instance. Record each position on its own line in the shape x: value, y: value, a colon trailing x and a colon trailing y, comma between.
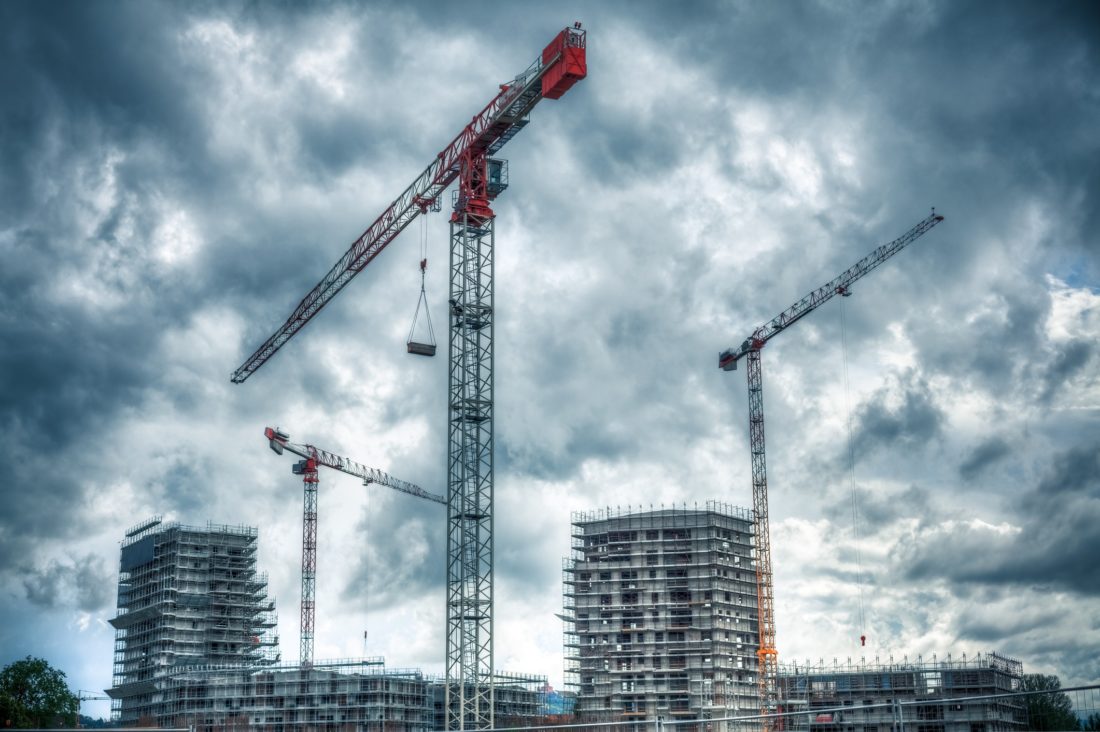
x: 728, y: 359
x: 280, y: 441
x: 561, y: 64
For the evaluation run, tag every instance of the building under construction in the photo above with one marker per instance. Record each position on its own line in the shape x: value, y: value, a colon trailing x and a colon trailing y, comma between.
x: 195, y: 646
x: 929, y: 695
x: 517, y: 699
x: 660, y: 614
x: 356, y: 694
x: 346, y: 695
x: 187, y: 596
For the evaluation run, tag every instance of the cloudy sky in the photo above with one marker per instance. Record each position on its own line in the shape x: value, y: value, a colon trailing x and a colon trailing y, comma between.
x: 174, y: 177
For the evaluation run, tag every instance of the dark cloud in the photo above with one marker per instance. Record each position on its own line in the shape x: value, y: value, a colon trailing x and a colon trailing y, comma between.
x: 1054, y: 546
x: 978, y: 624
x: 1068, y: 362
x: 879, y: 511
x: 911, y: 424
x: 403, y: 558
x: 1075, y: 471
x: 71, y: 73
x: 983, y: 456
x: 84, y: 583
x: 176, y: 177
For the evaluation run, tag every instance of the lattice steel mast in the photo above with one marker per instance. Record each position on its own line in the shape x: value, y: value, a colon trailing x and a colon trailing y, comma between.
x: 308, y: 618
x: 469, y: 697
x: 767, y: 654
x: 312, y: 458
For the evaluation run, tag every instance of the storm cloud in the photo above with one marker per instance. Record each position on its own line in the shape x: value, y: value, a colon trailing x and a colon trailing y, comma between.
x: 176, y: 176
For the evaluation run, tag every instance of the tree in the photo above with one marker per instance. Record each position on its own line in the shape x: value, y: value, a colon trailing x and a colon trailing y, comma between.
x: 1092, y: 723
x: 32, y: 694
x: 1053, y: 711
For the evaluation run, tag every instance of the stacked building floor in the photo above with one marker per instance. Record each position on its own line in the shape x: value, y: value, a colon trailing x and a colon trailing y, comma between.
x: 660, y: 611
x: 927, y: 695
x: 195, y: 646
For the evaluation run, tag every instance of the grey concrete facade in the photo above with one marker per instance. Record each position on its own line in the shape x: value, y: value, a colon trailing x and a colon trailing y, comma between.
x: 348, y: 697
x: 660, y: 614
x: 187, y: 596
x: 196, y: 647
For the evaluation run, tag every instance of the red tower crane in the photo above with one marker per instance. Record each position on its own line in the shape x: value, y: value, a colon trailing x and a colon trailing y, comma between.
x: 561, y: 64
x: 314, y: 457
x: 767, y: 654
x: 469, y: 695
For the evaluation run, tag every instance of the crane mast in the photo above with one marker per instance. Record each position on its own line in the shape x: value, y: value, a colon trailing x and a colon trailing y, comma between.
x: 767, y: 655
x: 469, y: 698
x: 313, y: 457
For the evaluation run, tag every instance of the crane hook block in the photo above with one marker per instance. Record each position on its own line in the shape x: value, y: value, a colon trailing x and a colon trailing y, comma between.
x: 566, y: 62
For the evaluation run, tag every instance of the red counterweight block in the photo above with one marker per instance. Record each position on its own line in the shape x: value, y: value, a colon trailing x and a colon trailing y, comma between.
x: 571, y: 66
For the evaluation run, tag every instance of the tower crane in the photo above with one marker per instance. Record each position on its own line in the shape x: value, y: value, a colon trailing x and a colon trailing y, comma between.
x: 312, y: 458
x: 469, y: 700
x: 767, y: 656
x: 83, y: 695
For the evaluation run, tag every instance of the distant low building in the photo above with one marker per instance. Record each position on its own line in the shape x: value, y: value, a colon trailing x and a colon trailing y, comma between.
x: 349, y: 695
x: 929, y: 695
x: 517, y: 699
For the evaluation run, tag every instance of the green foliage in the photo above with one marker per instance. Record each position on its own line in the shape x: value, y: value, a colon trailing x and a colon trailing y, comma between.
x: 1092, y: 723
x: 1053, y: 711
x: 32, y: 694
x: 87, y: 722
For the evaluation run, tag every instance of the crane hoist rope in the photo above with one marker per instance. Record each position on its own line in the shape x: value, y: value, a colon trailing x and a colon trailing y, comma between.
x: 367, y: 511
x: 852, y: 472
x: 417, y: 343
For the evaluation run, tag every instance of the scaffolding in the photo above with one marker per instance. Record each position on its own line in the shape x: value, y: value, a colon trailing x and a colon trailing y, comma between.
x: 187, y: 596
x: 325, y: 697
x: 938, y: 694
x: 518, y: 698
x: 195, y: 647
x: 660, y: 613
